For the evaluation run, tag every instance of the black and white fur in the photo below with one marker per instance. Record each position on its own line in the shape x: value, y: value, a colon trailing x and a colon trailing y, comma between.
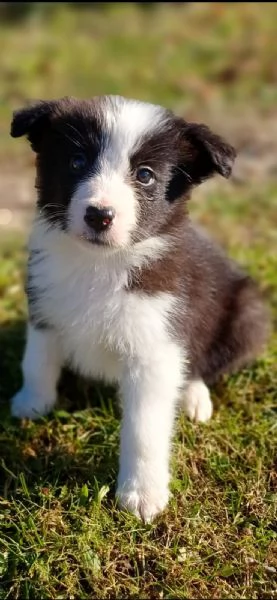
x: 149, y: 302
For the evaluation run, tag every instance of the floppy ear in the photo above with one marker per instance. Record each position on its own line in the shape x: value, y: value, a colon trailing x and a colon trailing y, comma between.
x: 201, y: 154
x: 31, y: 121
x: 209, y: 153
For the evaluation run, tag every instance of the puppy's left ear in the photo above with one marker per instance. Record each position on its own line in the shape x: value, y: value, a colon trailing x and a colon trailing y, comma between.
x: 32, y: 122
x: 205, y: 153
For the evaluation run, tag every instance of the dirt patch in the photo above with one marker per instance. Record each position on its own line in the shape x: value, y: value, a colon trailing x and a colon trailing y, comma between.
x: 17, y: 199
x: 255, y: 138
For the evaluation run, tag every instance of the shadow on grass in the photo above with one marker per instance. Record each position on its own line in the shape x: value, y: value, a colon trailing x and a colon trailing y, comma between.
x: 78, y: 443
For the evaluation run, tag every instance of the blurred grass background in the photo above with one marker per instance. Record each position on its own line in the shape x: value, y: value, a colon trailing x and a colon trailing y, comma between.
x: 60, y: 533
x: 190, y: 56
x: 215, y: 62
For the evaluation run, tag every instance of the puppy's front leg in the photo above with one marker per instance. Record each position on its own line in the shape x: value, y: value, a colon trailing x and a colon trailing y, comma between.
x: 41, y: 368
x: 150, y: 390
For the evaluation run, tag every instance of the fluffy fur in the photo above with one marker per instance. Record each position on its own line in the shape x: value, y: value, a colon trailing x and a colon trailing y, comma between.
x: 143, y: 299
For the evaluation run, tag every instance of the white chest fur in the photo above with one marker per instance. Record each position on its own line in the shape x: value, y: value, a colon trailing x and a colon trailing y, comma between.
x: 105, y: 330
x: 84, y: 296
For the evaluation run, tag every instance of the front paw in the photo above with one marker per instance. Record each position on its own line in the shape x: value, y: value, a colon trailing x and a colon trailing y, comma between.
x: 145, y: 502
x: 26, y: 404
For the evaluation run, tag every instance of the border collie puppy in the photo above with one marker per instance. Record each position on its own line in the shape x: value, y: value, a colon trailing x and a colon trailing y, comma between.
x: 121, y: 285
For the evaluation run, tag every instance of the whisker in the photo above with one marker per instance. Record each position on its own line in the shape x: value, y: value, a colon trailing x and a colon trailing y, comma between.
x: 73, y: 140
x: 51, y: 204
x: 187, y: 175
x: 55, y: 216
x: 79, y: 134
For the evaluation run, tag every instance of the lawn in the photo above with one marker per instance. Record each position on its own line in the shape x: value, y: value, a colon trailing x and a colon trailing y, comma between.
x: 61, y: 534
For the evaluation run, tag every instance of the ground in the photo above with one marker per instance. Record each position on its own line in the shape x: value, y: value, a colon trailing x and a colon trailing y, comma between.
x: 61, y: 534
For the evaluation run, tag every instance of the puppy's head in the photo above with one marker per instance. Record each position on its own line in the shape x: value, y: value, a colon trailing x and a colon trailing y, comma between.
x: 114, y: 171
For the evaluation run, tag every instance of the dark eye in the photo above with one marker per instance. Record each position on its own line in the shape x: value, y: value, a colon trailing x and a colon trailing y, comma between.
x: 145, y: 175
x: 78, y: 162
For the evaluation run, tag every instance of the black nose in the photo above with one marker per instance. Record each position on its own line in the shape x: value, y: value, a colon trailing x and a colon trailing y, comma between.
x: 99, y: 218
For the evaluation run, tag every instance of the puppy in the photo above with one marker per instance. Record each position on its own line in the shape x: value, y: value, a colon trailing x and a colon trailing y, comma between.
x: 121, y: 285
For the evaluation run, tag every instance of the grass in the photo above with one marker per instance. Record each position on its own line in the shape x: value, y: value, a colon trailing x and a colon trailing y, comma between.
x: 188, y: 56
x: 61, y: 534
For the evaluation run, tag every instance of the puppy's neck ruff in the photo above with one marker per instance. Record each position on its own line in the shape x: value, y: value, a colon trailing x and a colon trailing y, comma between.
x: 51, y: 239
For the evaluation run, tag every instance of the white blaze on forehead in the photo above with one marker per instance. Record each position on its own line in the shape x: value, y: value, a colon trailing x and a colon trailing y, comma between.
x: 127, y: 122
x: 124, y: 123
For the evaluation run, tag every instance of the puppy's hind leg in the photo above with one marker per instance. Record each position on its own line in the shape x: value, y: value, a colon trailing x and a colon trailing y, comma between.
x: 196, y: 402
x: 239, y: 338
x: 241, y: 334
x: 249, y: 326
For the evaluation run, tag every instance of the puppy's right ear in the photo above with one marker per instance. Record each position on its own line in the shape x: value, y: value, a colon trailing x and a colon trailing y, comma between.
x: 32, y: 121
